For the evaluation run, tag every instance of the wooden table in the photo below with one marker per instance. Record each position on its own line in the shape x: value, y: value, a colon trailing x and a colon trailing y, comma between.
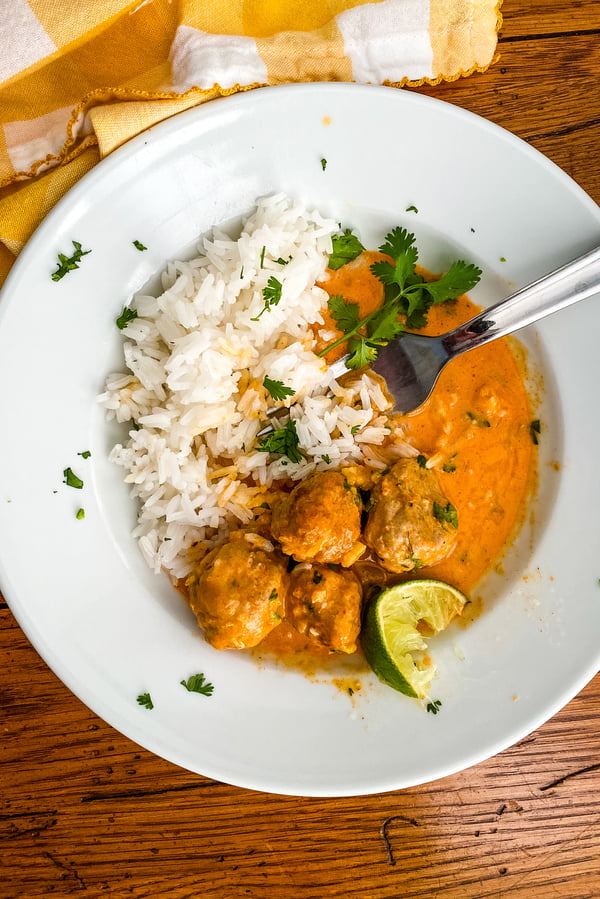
x: 85, y: 811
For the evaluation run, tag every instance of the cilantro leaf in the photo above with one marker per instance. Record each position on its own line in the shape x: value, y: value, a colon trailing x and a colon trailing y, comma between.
x: 126, y: 316
x: 404, y: 262
x: 139, y: 246
x: 146, y: 700
x: 345, y: 314
x: 197, y: 683
x: 360, y: 353
x: 272, y: 292
x: 398, y: 243
x: 446, y: 513
x: 271, y: 295
x: 67, y: 264
x: 459, y: 279
x: 80, y: 514
x: 345, y: 248
x: 385, y: 325
x: 277, y: 389
x: 434, y: 706
x: 283, y: 441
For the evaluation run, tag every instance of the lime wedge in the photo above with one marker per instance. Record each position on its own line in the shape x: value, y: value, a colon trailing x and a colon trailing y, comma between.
x: 391, y: 634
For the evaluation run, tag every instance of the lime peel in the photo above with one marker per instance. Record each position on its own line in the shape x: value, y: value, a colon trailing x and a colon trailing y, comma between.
x: 391, y: 639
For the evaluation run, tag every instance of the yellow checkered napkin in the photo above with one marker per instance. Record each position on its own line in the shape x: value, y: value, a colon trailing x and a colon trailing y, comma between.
x: 79, y: 79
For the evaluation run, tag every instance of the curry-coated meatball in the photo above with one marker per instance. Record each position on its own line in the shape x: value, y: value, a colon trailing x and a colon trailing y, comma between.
x: 324, y: 603
x: 410, y: 522
x: 237, y: 591
x: 319, y: 520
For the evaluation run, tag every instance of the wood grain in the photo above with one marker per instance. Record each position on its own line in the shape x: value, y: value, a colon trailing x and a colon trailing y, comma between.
x: 84, y: 811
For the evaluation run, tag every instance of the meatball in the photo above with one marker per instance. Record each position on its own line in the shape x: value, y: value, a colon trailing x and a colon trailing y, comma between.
x: 237, y: 592
x: 324, y: 603
x: 406, y: 526
x: 319, y: 520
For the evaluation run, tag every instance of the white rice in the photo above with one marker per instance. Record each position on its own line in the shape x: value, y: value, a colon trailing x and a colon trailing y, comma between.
x: 196, y: 357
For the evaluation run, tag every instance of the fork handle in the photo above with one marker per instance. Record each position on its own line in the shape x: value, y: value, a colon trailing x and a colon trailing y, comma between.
x: 575, y: 281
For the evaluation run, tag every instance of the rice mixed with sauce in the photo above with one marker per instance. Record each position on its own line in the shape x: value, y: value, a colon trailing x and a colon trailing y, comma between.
x: 197, y: 356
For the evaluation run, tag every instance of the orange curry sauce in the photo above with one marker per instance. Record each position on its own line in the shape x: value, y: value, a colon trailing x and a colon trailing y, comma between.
x: 477, y: 425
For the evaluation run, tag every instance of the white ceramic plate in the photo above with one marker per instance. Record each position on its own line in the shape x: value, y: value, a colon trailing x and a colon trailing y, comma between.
x: 111, y: 629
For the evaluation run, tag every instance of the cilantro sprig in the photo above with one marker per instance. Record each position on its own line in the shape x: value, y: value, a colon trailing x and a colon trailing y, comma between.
x: 407, y: 295
x: 67, y: 264
x: 277, y: 389
x: 271, y: 295
x: 284, y: 441
x: 413, y: 295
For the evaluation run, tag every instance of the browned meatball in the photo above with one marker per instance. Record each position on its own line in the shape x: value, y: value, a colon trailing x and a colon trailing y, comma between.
x: 407, y: 524
x: 319, y: 520
x: 324, y: 603
x: 237, y: 592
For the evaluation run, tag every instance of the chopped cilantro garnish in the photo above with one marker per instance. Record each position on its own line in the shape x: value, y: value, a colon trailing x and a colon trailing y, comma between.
x: 67, y: 264
x: 197, y: 683
x: 326, y: 459
x: 411, y: 209
x: 284, y: 442
x: 139, y: 246
x: 323, y: 164
x: 446, y: 513
x: 277, y: 389
x: 71, y: 479
x: 271, y: 295
x: 273, y: 596
x: 125, y: 317
x: 422, y: 460
x: 262, y: 257
x: 345, y: 248
x: 145, y: 700
x: 535, y: 429
x: 434, y: 706
x: 85, y: 454
x: 354, y: 429
x: 80, y: 514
